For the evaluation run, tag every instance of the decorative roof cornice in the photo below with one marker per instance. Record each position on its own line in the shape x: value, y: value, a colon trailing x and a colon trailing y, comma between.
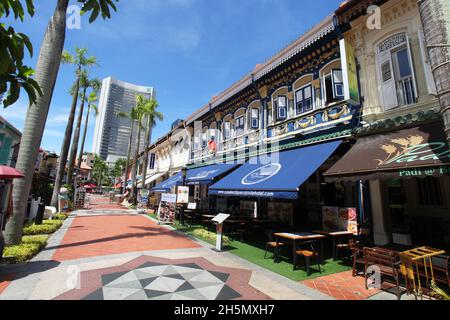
x: 353, y: 9
x: 408, y: 120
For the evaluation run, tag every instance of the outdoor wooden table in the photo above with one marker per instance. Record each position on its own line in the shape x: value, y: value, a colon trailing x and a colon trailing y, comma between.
x: 300, y: 236
x: 334, y: 234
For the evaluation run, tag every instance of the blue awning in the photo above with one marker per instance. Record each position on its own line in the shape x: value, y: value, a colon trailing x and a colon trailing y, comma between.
x: 168, y: 184
x: 207, y: 175
x: 278, y: 175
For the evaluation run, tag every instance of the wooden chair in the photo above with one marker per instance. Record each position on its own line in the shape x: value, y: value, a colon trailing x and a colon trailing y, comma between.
x: 308, y: 250
x: 273, y: 245
x: 388, y: 264
x: 343, y: 244
x: 357, y: 256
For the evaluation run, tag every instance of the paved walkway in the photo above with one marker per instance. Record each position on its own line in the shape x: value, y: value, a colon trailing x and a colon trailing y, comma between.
x: 342, y: 286
x: 111, y: 253
x: 93, y: 236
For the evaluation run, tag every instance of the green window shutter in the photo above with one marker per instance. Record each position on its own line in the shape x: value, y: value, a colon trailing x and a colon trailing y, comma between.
x: 5, y: 151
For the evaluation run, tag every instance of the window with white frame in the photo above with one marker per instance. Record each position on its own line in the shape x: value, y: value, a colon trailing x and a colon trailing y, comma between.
x: 281, y: 107
x: 333, y: 84
x: 395, y: 72
x: 254, y: 118
x: 227, y: 130
x: 240, y: 125
x: 304, y: 100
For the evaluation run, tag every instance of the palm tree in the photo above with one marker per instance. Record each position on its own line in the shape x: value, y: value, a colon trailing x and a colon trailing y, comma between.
x: 85, y: 85
x: 151, y: 114
x: 140, y: 102
x: 99, y: 170
x: 436, y: 27
x: 133, y: 116
x: 80, y: 61
x: 46, y: 73
x: 91, y: 100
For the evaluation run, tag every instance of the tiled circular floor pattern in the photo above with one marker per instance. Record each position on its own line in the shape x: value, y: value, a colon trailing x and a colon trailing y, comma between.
x: 151, y: 278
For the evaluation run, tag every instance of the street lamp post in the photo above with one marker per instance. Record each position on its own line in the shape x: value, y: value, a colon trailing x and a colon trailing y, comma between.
x: 74, y: 176
x: 183, y: 175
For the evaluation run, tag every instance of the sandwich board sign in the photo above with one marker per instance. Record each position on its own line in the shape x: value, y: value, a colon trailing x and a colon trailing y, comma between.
x: 166, y: 210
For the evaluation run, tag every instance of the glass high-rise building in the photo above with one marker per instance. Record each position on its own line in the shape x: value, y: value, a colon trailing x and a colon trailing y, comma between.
x: 112, y: 133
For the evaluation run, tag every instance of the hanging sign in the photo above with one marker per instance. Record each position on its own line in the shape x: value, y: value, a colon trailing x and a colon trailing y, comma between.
x: 349, y: 72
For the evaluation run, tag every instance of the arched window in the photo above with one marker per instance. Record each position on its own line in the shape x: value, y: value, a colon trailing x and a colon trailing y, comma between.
x: 227, y: 127
x: 280, y: 104
x: 304, y: 95
x: 332, y: 82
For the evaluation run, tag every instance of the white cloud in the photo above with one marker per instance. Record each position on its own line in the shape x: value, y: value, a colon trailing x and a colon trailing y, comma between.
x: 53, y: 133
x: 14, y: 112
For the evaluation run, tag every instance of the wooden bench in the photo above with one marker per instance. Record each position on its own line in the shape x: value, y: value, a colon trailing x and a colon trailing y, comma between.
x: 388, y: 264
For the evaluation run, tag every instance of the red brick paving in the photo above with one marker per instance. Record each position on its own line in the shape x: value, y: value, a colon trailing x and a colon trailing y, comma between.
x: 5, y: 282
x: 102, y: 203
x: 342, y: 286
x: 100, y: 235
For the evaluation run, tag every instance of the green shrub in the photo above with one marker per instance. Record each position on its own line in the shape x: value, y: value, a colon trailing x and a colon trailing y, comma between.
x: 30, y: 246
x: 40, y: 239
x: 47, y: 227
x: 60, y: 216
x: 209, y: 236
x: 22, y: 252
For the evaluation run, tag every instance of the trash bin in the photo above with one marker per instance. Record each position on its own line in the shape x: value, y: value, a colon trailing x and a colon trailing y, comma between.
x: 40, y: 214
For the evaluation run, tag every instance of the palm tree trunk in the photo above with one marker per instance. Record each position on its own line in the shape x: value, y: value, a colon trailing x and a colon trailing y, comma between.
x: 83, y: 140
x: 46, y: 73
x: 436, y: 26
x: 134, y: 168
x: 147, y: 145
x: 128, y: 158
x: 65, y: 148
x: 76, y: 140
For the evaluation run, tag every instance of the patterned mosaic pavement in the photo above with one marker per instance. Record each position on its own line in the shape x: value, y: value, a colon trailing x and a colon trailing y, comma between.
x: 152, y: 278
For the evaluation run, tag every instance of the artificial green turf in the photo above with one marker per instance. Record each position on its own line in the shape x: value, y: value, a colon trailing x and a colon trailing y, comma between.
x: 255, y: 253
x: 285, y: 267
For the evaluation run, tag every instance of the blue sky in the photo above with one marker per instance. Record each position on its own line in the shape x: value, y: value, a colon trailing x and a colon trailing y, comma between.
x: 189, y: 50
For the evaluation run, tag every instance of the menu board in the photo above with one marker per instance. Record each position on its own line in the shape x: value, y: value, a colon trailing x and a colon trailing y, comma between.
x: 281, y: 211
x: 166, y: 210
x: 342, y: 219
x: 183, y: 195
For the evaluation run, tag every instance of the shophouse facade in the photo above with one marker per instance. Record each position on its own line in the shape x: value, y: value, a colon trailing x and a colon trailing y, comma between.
x: 409, y: 182
x: 306, y: 95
